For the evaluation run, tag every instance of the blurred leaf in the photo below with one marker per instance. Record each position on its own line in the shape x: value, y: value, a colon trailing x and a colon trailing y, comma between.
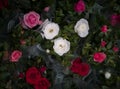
x: 109, y: 45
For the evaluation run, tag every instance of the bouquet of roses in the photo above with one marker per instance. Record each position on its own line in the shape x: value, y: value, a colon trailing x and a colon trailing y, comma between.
x: 65, y: 44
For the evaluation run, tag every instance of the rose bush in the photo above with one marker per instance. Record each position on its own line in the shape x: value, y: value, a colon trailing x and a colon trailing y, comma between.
x: 59, y: 44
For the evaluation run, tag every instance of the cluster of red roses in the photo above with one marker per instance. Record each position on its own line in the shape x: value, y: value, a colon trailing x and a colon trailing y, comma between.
x: 34, y: 77
x: 80, y: 67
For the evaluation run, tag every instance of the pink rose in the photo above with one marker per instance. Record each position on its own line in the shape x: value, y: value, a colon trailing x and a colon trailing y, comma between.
x: 99, y: 57
x: 15, y: 56
x: 103, y: 43
x: 79, y: 6
x: 115, y: 49
x: 33, y: 75
x: 104, y: 28
x: 46, y: 9
x: 22, y: 42
x: 113, y: 19
x: 31, y: 19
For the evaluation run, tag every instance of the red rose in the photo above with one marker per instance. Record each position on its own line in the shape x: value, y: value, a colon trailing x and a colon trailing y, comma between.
x: 84, y: 69
x: 75, y: 64
x: 79, y: 6
x: 103, y: 43
x: 99, y: 57
x: 104, y: 28
x: 42, y: 69
x: 32, y: 75
x: 3, y: 3
x: 15, y: 56
x: 42, y: 83
x: 80, y: 68
x: 74, y: 68
x: 76, y: 61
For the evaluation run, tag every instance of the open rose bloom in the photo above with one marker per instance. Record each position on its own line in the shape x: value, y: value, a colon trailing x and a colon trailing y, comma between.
x: 61, y: 46
x: 99, y: 57
x: 50, y: 30
x: 15, y: 56
x: 79, y: 6
x: 32, y: 19
x: 80, y: 67
x: 82, y: 27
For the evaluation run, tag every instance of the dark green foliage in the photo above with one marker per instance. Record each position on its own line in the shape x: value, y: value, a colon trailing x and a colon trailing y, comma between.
x: 97, y: 13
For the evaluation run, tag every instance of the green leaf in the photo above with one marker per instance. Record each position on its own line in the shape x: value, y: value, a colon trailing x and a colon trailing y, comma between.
x: 109, y: 45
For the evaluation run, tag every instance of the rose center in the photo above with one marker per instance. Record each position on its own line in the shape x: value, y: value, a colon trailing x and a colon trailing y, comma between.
x: 82, y: 27
x: 51, y: 30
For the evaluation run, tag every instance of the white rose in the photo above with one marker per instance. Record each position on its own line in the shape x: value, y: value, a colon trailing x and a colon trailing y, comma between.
x: 82, y: 27
x: 107, y: 75
x: 61, y: 46
x: 50, y: 30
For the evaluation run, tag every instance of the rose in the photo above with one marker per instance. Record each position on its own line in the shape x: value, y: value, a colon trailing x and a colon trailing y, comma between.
x: 104, y: 28
x: 32, y: 75
x: 61, y: 46
x: 15, y: 56
x: 99, y: 57
x: 31, y: 19
x: 50, y: 29
x: 80, y: 68
x: 75, y: 64
x: 79, y: 6
x: 103, y: 43
x: 75, y: 68
x: 3, y: 3
x: 42, y: 83
x: 115, y: 19
x: 82, y: 27
x: 42, y: 69
x: 46, y: 9
x: 115, y: 49
x: 76, y: 61
x: 84, y: 69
